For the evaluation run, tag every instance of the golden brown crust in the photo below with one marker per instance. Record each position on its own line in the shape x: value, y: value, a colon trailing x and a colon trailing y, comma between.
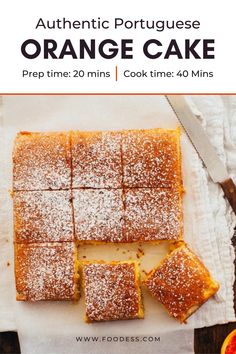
x: 181, y: 283
x: 96, y: 159
x: 111, y: 291
x: 41, y: 161
x: 46, y: 271
x: 151, y: 158
x: 43, y: 216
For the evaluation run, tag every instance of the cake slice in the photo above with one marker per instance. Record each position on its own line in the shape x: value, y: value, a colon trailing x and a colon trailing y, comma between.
x: 112, y: 291
x: 153, y: 214
x: 46, y: 271
x: 151, y: 158
x: 181, y: 283
x: 96, y: 159
x: 43, y: 216
x: 41, y: 161
x: 98, y: 215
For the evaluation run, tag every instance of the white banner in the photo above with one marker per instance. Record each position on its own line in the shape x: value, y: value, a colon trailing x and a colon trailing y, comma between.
x: 104, y: 47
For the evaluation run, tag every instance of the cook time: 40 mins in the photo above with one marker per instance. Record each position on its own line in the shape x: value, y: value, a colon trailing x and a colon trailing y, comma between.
x: 194, y: 73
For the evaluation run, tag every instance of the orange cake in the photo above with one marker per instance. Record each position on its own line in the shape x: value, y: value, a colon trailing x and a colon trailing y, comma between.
x: 92, y: 187
x: 98, y: 215
x: 96, y: 160
x: 43, y: 216
x: 46, y: 271
x: 112, y: 291
x: 41, y: 161
x: 152, y: 214
x: 181, y: 283
x: 151, y: 158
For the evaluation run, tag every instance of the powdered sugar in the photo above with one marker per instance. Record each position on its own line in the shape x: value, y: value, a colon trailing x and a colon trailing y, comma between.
x: 181, y: 282
x: 152, y: 214
x: 96, y: 160
x: 42, y: 161
x: 129, y: 215
x: 98, y: 215
x: 151, y: 158
x: 72, y: 186
x: 43, y: 216
x: 45, y: 271
x: 111, y: 291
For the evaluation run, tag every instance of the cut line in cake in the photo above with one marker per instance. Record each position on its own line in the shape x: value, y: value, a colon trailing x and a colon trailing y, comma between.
x: 75, y: 188
x: 101, y: 159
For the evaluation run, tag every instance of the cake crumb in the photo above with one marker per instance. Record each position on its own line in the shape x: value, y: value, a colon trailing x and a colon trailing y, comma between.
x: 8, y: 264
x: 140, y: 253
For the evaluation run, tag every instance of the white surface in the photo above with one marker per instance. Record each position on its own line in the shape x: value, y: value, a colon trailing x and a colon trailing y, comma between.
x: 208, y: 224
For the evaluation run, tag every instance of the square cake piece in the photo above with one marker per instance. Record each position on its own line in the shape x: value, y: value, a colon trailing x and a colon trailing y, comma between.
x: 181, y: 283
x: 96, y: 159
x: 43, y: 216
x: 46, y: 271
x: 98, y: 215
x: 112, y: 291
x: 41, y: 161
x: 151, y: 158
x: 152, y: 214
